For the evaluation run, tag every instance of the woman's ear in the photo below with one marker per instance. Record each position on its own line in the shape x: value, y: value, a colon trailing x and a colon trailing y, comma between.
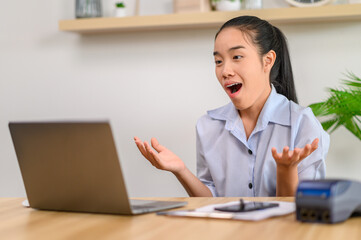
x: 268, y: 60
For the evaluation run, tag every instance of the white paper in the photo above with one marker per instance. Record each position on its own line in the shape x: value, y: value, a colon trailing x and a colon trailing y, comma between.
x: 283, y: 209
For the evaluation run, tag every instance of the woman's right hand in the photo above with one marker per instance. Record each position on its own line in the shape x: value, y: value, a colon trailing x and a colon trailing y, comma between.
x: 163, y: 158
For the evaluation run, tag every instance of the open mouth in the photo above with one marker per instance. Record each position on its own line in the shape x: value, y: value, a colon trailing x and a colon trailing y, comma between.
x: 234, y: 87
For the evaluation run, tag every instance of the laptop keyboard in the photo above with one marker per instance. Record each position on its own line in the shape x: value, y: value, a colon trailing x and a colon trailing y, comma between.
x: 145, y: 204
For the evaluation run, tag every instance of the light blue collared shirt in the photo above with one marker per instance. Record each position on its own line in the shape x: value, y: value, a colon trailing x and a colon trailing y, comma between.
x: 230, y: 165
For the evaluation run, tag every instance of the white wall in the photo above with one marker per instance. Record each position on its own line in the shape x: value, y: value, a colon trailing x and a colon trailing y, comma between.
x: 148, y: 84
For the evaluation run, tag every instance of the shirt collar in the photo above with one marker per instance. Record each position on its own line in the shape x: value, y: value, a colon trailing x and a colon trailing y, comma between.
x: 276, y: 110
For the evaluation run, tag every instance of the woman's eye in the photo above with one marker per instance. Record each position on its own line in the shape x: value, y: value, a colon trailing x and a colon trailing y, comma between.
x: 218, y: 62
x: 237, y: 57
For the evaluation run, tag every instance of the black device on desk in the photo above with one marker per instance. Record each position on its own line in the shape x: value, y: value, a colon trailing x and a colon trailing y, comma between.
x: 246, y: 207
x: 328, y: 200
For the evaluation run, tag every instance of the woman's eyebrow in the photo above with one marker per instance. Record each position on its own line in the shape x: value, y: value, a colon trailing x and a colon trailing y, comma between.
x: 229, y: 50
x: 235, y: 48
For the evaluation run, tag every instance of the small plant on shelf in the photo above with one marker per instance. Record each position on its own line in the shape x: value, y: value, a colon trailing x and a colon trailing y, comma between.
x: 119, y: 5
x: 120, y: 10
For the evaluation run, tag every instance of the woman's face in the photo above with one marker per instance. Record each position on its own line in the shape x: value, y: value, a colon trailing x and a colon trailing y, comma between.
x: 241, y: 71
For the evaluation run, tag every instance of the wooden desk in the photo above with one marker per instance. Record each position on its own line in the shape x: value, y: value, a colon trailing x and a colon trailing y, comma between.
x: 17, y: 222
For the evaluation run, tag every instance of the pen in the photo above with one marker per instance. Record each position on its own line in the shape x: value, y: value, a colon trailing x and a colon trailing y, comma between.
x: 192, y: 213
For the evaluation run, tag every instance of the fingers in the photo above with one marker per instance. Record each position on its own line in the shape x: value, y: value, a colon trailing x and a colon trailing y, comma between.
x: 146, y: 151
x: 314, y: 144
x: 295, y: 156
x: 276, y: 155
x: 305, y: 151
x: 140, y: 146
x: 156, y: 145
x: 309, y: 148
x: 285, y: 152
x: 286, y: 157
x: 155, y: 159
x: 151, y: 155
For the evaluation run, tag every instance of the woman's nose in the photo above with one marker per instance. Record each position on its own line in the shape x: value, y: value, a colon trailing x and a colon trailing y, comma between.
x: 227, y: 70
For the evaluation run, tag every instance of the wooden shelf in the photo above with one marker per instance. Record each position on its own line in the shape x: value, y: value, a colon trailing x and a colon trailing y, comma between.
x: 326, y: 13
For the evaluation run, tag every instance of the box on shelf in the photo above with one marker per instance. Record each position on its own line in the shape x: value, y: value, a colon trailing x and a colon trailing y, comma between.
x: 188, y: 6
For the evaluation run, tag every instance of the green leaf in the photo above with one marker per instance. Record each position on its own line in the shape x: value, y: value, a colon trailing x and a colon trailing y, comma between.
x: 352, y: 126
x: 342, y: 107
x: 319, y: 109
x: 328, y: 124
x: 352, y: 80
x: 120, y: 5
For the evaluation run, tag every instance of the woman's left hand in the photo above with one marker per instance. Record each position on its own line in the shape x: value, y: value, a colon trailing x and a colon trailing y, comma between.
x: 292, y: 158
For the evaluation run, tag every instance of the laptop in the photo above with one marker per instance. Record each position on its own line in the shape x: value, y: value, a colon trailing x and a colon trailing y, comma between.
x: 74, y: 166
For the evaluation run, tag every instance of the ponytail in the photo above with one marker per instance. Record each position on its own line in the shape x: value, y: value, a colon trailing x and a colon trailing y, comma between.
x: 267, y: 37
x: 281, y: 75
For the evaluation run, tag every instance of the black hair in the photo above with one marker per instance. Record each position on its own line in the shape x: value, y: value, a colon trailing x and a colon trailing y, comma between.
x: 267, y: 37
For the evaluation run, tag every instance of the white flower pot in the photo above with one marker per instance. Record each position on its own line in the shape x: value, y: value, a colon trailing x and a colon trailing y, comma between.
x: 120, y: 12
x: 253, y: 4
x: 226, y: 5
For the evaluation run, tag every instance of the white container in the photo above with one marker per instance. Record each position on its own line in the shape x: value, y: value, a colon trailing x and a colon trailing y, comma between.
x: 120, y: 12
x: 188, y: 6
x: 253, y: 4
x: 226, y: 5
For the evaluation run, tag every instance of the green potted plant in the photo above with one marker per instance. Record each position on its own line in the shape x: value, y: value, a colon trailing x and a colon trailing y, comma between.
x: 343, y: 107
x: 120, y: 10
x: 226, y: 5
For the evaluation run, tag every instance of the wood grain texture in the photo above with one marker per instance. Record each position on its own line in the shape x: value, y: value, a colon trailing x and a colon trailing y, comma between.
x: 17, y: 222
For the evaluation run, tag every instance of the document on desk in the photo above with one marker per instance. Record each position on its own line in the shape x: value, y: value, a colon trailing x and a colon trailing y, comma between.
x: 209, y: 211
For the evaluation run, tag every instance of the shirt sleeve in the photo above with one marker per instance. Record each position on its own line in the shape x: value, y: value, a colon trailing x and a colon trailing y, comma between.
x: 203, y: 172
x: 308, y: 128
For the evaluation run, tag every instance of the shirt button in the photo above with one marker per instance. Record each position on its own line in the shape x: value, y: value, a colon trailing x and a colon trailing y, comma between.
x: 250, y: 185
x: 250, y: 151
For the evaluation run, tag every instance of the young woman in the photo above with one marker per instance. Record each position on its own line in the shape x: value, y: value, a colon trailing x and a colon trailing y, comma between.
x: 238, y: 144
